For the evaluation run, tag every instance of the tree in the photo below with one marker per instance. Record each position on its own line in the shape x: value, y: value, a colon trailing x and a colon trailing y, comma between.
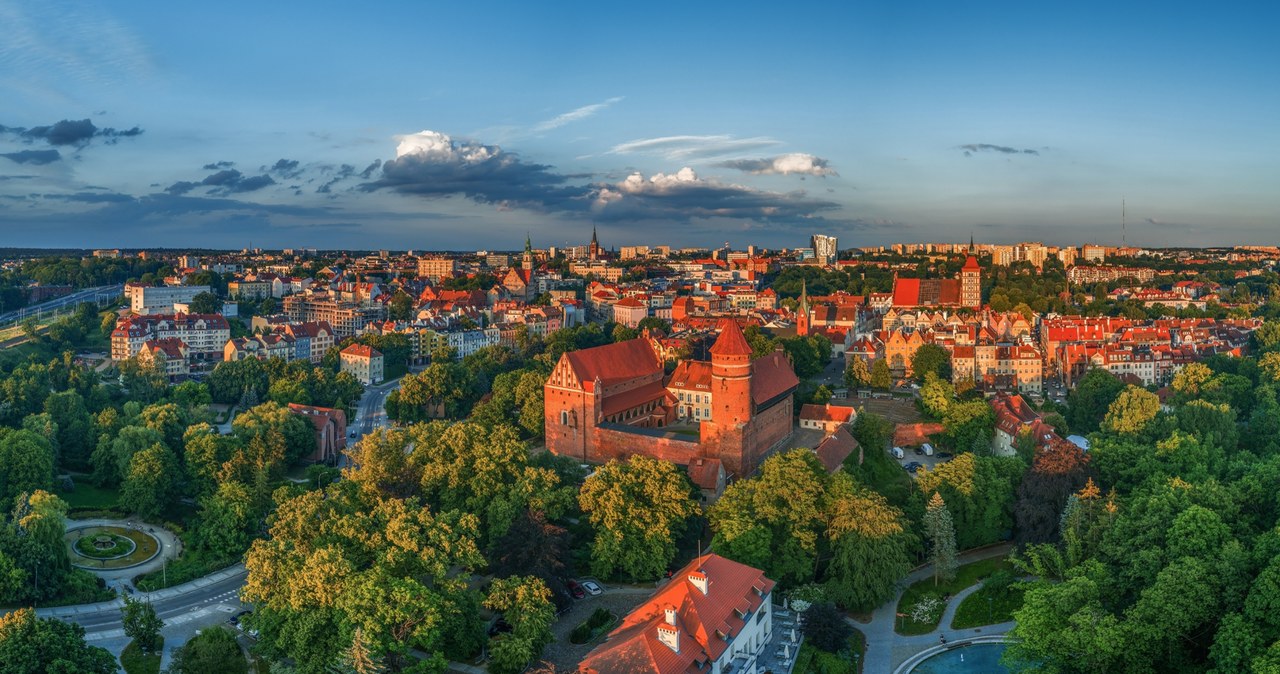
x: 1132, y: 411
x: 931, y: 358
x: 967, y: 424
x: 870, y: 546
x: 526, y: 604
x: 299, y: 436
x: 141, y: 623
x: 881, y: 378
x: 1065, y: 626
x: 826, y: 628
x: 857, y: 374
x: 1088, y: 402
x: 31, y: 645
x: 941, y: 534
x: 75, y: 427
x: 401, y: 307
x: 227, y: 520
x: 1056, y: 473
x: 213, y: 651
x: 638, y: 509
x: 205, y: 303
x: 776, y: 520
x: 872, y: 431
x: 151, y: 485
x: 26, y: 463
x: 936, y: 395
x: 537, y: 548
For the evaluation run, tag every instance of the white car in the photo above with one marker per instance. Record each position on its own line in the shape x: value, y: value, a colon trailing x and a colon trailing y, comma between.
x: 591, y: 587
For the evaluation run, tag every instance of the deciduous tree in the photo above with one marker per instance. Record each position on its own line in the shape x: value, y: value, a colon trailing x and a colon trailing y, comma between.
x: 638, y: 508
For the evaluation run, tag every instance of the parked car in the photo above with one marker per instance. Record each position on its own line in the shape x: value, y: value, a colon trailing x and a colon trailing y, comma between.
x: 897, y: 453
x: 913, y: 466
x: 592, y: 587
x: 575, y: 589
x: 927, y: 449
x: 919, y: 451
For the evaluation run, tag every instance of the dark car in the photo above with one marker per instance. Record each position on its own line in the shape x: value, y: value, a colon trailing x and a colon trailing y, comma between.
x: 919, y: 451
x: 913, y: 466
x: 575, y: 589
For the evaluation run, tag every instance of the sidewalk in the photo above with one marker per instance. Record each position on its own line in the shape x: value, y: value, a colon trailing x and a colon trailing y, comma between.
x: 886, y: 649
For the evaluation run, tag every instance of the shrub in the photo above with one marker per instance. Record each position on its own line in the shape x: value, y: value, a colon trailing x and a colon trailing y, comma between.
x: 599, y: 618
x: 580, y: 634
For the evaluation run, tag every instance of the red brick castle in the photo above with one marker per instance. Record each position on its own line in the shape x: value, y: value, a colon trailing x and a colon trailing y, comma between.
x: 611, y: 402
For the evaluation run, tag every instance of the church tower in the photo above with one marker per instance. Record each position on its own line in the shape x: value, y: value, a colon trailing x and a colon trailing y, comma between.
x: 971, y: 284
x: 593, y: 251
x: 527, y: 262
x: 802, y: 312
x: 725, y: 435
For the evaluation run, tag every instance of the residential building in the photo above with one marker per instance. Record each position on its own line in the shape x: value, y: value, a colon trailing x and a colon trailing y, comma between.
x: 715, y: 616
x: 363, y: 362
x: 436, y: 268
x: 826, y: 249
x: 147, y: 300
x: 347, y: 319
x: 168, y: 355
x: 826, y: 418
x: 330, y: 427
x: 204, y: 335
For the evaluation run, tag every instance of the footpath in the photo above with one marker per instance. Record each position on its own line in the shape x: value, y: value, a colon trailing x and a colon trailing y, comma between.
x: 888, y: 650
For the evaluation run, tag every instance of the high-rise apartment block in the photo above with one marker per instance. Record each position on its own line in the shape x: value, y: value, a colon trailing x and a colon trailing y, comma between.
x: 825, y: 248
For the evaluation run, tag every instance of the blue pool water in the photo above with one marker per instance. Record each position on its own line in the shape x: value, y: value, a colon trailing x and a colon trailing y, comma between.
x: 974, y: 659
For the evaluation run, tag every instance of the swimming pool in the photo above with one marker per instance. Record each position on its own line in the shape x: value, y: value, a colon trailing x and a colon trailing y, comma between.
x: 971, y: 659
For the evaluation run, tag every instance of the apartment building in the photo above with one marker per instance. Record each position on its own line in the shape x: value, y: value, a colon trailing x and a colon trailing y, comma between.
x: 347, y: 319
x: 362, y: 362
x: 203, y: 334
x: 146, y: 300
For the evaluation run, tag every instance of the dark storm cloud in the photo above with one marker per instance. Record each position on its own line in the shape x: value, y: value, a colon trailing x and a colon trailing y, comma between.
x: 797, y: 163
x: 70, y: 132
x: 36, y: 157
x: 342, y: 173
x: 973, y: 148
x: 91, y: 197
x: 684, y: 197
x: 224, y: 182
x: 483, y: 173
x: 218, y: 165
x: 368, y: 170
x: 284, y: 168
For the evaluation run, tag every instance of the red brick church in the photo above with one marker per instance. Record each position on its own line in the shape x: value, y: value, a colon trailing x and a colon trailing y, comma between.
x: 611, y: 402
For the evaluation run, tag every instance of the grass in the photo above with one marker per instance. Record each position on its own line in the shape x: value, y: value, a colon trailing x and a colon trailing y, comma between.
x: 90, y: 496
x: 966, y: 575
x: 975, y: 611
x: 190, y: 565
x: 88, y: 546
x: 810, y: 660
x: 135, y: 662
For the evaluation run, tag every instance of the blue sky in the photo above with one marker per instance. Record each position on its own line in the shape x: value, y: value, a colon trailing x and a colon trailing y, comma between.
x: 464, y: 125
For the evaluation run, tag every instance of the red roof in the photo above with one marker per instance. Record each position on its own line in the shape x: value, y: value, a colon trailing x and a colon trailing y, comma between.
x: 827, y: 413
x: 731, y: 341
x: 706, y: 473
x: 614, y: 362
x: 362, y: 350
x: 971, y: 264
x: 732, y: 589
x: 771, y: 377
x: 906, y: 292
x: 691, y: 374
x: 912, y: 435
x: 835, y: 448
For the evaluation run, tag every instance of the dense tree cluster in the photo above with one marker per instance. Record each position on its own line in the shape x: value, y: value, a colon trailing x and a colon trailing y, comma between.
x: 1160, y: 552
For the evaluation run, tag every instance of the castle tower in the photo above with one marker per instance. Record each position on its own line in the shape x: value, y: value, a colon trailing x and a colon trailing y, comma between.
x: 802, y: 318
x: 593, y: 251
x: 971, y: 284
x: 724, y: 436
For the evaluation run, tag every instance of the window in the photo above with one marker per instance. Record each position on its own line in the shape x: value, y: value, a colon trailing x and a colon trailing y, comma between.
x: 564, y: 417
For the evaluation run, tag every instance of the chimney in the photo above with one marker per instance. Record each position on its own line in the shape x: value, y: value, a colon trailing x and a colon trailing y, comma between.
x: 671, y: 615
x: 699, y: 580
x: 670, y: 637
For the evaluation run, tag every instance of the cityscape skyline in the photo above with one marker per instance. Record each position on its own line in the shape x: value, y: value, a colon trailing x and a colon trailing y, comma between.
x: 462, y: 128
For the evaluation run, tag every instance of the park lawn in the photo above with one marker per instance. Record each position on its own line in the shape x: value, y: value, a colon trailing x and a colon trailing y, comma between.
x: 966, y: 575
x: 810, y: 660
x: 90, y: 496
x: 974, y: 611
x: 134, y: 662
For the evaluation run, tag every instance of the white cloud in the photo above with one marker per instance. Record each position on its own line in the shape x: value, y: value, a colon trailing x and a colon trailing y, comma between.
x: 797, y: 163
x: 574, y: 115
x: 680, y: 148
x: 438, y: 147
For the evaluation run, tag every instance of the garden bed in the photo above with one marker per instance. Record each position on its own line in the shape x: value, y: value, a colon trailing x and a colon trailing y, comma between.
x: 923, y: 593
x: 987, y: 606
x: 601, y: 622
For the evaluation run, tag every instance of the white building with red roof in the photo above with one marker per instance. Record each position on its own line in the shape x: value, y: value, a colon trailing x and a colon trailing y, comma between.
x: 714, y: 614
x: 363, y: 362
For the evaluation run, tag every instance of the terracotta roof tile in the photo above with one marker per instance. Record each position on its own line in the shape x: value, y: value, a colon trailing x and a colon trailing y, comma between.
x: 731, y: 341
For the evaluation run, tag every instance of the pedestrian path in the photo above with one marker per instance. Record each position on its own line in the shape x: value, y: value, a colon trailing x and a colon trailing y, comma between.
x: 886, y: 649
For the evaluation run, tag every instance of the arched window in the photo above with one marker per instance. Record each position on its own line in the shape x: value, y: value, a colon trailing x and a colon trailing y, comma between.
x: 564, y: 417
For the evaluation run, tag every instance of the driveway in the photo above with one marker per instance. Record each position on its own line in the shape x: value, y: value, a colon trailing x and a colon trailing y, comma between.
x: 566, y: 656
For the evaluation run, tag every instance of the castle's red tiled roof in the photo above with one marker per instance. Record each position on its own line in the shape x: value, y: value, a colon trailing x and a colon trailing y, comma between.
x: 614, y: 362
x: 691, y: 374
x: 705, y: 473
x: 772, y: 376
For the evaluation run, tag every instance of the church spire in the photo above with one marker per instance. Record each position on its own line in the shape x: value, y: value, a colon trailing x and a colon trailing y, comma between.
x: 528, y: 243
x: 593, y: 235
x: 804, y: 295
x: 970, y: 242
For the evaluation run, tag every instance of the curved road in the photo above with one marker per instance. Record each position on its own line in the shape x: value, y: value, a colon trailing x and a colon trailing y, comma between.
x: 77, y: 297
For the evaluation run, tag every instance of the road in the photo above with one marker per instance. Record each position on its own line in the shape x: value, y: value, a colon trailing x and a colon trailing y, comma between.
x: 86, y: 295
